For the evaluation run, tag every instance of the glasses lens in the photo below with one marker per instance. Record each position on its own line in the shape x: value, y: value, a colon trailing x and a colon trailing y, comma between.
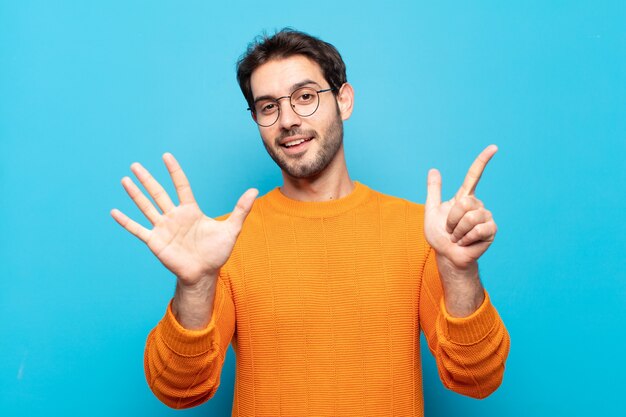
x: 304, y: 101
x: 266, y: 112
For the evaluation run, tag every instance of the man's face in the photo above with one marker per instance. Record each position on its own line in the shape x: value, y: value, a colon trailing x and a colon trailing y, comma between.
x: 301, y: 146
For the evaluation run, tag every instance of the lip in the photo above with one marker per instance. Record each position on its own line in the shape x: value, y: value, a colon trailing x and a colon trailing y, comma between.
x: 297, y: 149
x: 292, y: 138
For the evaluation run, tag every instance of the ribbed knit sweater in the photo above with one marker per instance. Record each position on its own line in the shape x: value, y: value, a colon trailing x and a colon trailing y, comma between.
x: 323, y: 303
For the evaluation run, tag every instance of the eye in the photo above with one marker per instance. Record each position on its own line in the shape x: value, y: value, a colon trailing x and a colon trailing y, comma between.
x: 304, y: 97
x: 266, y: 108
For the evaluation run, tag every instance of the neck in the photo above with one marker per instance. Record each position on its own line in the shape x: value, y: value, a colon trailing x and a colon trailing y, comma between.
x: 332, y: 183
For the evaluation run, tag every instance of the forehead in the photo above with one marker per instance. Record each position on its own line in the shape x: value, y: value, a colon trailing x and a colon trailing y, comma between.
x: 277, y: 77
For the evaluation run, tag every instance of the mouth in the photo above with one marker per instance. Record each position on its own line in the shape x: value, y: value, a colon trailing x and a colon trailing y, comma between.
x: 293, y: 143
x: 296, y: 146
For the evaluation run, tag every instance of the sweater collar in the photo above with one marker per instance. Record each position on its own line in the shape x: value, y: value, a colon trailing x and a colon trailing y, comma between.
x: 279, y: 202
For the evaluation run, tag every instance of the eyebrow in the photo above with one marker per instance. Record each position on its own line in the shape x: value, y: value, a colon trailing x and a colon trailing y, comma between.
x: 293, y: 88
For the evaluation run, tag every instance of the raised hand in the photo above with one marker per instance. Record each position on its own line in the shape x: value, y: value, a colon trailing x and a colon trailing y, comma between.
x: 191, y: 245
x: 460, y: 229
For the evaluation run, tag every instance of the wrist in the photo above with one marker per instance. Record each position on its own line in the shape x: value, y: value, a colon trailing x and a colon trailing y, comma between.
x: 197, y: 286
x: 462, y: 290
x: 450, y: 271
x: 192, y: 305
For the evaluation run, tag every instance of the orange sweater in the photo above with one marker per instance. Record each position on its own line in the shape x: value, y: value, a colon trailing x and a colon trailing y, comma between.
x: 323, y: 304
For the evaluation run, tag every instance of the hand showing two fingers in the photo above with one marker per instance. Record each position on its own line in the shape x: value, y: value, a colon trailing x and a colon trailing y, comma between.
x: 190, y: 244
x: 460, y: 229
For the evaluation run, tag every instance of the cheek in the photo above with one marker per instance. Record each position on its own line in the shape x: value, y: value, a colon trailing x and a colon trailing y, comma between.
x: 329, y: 114
x: 267, y: 136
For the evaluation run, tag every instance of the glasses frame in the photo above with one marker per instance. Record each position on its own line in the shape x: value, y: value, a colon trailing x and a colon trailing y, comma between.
x: 276, y: 100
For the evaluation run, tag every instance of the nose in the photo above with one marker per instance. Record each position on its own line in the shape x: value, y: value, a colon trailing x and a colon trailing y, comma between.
x: 287, y: 118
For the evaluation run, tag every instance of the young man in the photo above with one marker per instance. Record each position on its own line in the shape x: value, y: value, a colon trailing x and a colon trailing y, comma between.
x: 322, y: 285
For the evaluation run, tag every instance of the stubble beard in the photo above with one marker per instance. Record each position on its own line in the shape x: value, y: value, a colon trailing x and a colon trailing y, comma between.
x: 329, y: 145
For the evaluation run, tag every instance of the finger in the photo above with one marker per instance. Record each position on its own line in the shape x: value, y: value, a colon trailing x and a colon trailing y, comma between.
x: 156, y: 191
x: 142, y: 202
x: 133, y: 227
x: 476, y: 171
x: 468, y: 222
x: 458, y: 210
x: 183, y: 189
x: 484, y: 232
x: 433, y: 190
x: 243, y: 207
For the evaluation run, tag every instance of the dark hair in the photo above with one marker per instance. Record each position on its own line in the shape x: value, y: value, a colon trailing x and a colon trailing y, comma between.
x: 284, y: 44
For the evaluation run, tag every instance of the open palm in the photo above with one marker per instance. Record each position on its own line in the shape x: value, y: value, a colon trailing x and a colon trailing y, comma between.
x: 187, y: 242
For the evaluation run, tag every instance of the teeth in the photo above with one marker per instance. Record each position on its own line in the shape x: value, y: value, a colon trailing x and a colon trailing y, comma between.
x: 294, y: 142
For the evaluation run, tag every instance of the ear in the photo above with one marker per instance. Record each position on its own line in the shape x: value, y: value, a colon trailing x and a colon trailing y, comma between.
x: 345, y: 101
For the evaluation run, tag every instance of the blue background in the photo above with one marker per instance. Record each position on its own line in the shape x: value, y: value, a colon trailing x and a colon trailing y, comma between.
x: 86, y: 88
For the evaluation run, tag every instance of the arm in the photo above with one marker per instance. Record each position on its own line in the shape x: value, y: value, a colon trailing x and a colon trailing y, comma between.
x: 189, y: 343
x: 467, y: 336
x: 470, y: 351
x: 182, y: 366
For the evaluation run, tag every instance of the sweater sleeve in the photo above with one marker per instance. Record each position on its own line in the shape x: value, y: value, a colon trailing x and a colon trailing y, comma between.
x: 183, y: 366
x: 470, y: 351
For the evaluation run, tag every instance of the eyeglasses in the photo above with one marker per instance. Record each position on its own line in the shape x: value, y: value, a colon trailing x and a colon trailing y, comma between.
x: 304, y: 102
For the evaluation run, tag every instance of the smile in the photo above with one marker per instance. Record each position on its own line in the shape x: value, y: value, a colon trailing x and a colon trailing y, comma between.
x: 295, y: 142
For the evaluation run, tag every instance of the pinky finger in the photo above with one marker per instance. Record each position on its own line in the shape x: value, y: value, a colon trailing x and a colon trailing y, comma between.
x: 132, y: 226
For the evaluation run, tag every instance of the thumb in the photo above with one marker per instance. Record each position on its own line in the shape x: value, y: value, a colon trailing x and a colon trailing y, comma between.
x: 243, y: 207
x: 433, y: 193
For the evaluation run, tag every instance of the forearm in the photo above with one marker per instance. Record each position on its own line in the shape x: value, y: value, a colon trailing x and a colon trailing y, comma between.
x: 193, y: 304
x: 463, y: 292
x: 183, y: 366
x: 471, y: 351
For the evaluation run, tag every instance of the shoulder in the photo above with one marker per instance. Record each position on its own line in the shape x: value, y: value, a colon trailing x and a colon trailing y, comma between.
x: 255, y: 224
x: 258, y: 202
x: 402, y: 221
x: 398, y: 206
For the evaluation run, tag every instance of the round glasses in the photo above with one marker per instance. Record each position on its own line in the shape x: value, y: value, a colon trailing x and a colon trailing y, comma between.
x: 304, y: 102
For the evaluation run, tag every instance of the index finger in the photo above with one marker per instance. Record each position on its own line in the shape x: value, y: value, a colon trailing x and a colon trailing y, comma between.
x: 183, y: 189
x: 476, y: 171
